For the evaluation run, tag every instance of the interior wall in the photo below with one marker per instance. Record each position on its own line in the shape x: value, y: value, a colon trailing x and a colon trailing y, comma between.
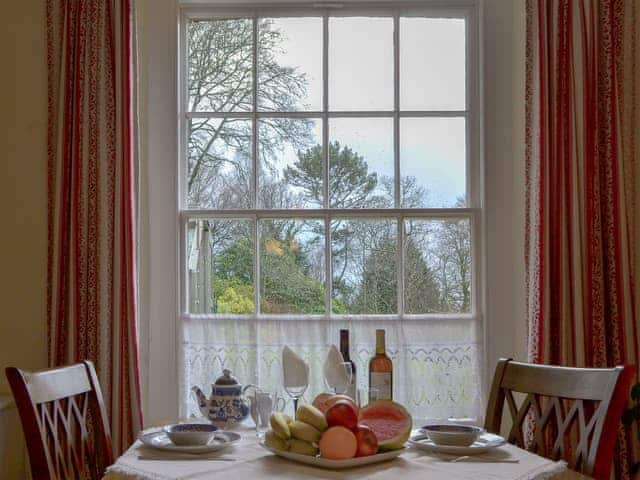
x: 23, y: 186
x: 519, y: 59
x: 503, y: 65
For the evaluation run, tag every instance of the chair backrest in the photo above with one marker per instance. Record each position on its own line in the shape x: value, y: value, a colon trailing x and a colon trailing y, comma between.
x: 64, y: 421
x: 561, y: 412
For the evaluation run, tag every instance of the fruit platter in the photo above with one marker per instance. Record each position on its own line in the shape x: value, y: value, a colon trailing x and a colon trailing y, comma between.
x: 334, y: 433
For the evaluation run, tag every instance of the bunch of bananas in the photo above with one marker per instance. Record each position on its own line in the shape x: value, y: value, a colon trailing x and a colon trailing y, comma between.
x: 300, y: 435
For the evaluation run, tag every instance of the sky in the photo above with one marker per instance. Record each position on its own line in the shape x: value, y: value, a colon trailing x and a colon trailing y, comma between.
x: 432, y: 77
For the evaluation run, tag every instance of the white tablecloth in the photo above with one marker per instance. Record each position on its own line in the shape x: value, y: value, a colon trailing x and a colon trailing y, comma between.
x: 254, y: 462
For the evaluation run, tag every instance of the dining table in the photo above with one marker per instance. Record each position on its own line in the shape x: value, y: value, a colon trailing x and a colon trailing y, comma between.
x: 249, y: 460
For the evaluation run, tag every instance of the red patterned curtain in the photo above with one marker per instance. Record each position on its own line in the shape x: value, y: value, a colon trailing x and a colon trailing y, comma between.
x: 91, y: 295
x: 582, y: 217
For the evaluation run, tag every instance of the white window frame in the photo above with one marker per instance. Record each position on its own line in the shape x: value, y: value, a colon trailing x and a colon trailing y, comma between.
x: 498, y: 89
x: 474, y: 180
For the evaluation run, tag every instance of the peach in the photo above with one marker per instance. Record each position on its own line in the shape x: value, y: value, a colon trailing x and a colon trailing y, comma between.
x: 338, y: 443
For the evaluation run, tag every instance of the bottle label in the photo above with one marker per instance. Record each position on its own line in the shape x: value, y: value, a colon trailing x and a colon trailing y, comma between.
x: 381, y: 385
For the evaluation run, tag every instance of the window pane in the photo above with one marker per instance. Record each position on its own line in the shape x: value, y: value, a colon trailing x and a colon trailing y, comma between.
x: 290, y: 64
x: 220, y: 65
x: 432, y: 64
x: 364, y: 259
x: 219, y: 169
x: 290, y: 163
x: 433, y: 162
x: 220, y: 266
x: 437, y: 268
x: 360, y: 63
x: 361, y: 169
x: 292, y: 266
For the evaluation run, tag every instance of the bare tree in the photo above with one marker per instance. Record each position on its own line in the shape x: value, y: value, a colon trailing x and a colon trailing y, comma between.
x: 221, y: 80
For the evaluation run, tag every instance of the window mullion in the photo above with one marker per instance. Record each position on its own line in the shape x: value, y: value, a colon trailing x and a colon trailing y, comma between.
x: 396, y: 160
x: 325, y: 164
x: 255, y: 166
x: 254, y: 118
x: 325, y: 109
x: 256, y: 265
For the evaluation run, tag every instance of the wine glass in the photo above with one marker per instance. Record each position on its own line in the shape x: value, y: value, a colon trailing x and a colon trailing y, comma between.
x: 295, y: 392
x: 295, y: 373
x: 342, y: 380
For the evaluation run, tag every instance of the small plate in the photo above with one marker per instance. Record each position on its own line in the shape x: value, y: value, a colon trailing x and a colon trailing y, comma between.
x: 483, y: 443
x: 336, y: 464
x: 159, y: 440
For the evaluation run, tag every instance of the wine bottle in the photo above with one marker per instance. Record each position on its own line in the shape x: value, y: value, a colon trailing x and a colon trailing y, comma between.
x: 380, y: 371
x: 344, y: 350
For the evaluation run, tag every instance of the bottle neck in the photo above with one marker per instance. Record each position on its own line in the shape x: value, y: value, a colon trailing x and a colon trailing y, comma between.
x: 344, y: 345
x: 380, y: 343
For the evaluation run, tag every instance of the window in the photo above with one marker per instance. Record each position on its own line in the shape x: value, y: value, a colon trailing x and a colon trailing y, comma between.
x: 329, y: 177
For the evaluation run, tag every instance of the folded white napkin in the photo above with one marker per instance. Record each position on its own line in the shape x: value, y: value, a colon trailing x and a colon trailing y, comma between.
x: 333, y: 374
x: 295, y: 370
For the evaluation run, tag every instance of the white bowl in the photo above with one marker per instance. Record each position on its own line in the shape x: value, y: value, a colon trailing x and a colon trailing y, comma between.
x: 453, y: 435
x: 190, y: 434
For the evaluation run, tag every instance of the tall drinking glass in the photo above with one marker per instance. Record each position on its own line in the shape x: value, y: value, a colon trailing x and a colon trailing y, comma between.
x: 261, y: 405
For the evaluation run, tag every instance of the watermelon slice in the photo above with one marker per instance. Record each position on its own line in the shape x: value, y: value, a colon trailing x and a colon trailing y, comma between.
x: 390, y: 421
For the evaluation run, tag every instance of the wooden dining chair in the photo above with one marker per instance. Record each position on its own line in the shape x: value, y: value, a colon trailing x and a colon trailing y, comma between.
x: 561, y: 412
x: 64, y: 421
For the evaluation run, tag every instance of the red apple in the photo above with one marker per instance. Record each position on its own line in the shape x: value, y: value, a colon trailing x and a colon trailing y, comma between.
x: 336, y: 398
x: 342, y: 414
x: 367, y: 441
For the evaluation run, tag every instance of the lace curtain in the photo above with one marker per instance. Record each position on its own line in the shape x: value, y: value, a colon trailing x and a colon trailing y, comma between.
x: 436, y: 371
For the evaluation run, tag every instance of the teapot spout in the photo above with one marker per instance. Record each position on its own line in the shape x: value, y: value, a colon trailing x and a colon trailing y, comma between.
x: 200, y: 396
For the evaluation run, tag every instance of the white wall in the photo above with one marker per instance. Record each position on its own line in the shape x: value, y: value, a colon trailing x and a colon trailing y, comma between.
x: 157, y: 29
x: 504, y: 176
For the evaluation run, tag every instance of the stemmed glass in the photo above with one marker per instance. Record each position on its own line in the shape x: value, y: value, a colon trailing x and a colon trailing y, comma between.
x: 343, y: 378
x: 295, y: 392
x: 295, y: 373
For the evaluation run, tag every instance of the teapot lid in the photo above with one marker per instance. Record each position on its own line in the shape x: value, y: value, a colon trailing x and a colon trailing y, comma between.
x: 226, y: 378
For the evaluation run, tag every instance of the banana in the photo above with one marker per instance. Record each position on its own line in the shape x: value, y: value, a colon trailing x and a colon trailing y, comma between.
x: 309, y: 414
x: 280, y: 424
x: 272, y: 440
x: 304, y: 431
x: 302, y: 447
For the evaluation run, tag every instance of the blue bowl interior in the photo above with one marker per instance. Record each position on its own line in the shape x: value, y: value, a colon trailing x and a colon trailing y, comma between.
x: 190, y: 428
x: 452, y: 428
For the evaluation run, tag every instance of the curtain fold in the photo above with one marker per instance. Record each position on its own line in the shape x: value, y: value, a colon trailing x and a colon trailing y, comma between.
x: 91, y: 279
x: 582, y: 185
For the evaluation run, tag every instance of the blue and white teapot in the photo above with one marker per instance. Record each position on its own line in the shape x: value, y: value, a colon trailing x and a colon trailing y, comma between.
x: 226, y: 403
